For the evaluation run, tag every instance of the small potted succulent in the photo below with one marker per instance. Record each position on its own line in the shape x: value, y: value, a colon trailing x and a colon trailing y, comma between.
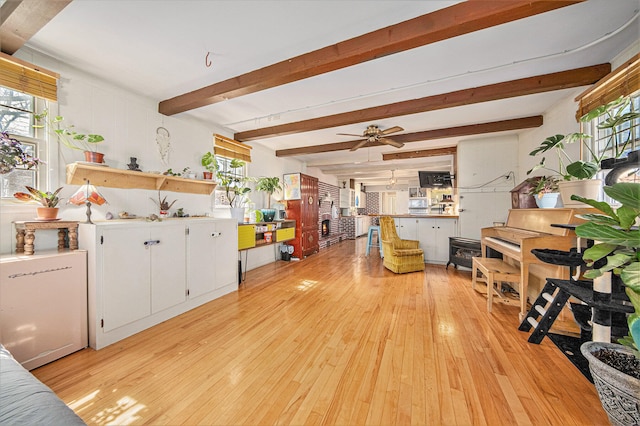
x: 14, y: 154
x: 163, y: 205
x: 49, y: 201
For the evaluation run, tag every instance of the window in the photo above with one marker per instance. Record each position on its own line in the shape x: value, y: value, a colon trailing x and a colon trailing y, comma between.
x: 627, y: 135
x: 16, y: 118
x: 234, y: 175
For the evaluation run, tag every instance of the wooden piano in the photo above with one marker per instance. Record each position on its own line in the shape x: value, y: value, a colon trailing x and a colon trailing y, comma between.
x: 528, y: 229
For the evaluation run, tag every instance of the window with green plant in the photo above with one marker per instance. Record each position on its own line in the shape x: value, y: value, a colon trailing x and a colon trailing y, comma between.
x: 17, y: 111
x: 613, y: 135
x: 231, y: 175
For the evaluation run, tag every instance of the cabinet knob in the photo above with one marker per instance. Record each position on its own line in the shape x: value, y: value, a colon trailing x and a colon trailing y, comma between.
x: 216, y: 234
x: 151, y: 242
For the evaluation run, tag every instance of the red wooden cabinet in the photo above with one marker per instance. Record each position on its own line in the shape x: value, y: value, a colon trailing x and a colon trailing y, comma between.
x: 305, y: 212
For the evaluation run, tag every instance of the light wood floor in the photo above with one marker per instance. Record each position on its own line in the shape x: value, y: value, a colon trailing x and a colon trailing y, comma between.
x: 333, y: 339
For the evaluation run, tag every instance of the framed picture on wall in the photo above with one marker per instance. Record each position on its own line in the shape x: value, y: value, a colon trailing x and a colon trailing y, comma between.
x: 291, y: 186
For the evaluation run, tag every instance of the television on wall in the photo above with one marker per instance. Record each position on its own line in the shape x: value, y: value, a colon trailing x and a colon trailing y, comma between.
x: 435, y: 179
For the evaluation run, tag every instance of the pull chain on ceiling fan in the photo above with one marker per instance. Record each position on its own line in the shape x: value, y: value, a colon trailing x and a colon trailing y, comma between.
x: 374, y: 134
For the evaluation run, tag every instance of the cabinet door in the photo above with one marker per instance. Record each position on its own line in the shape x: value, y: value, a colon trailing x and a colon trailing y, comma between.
x: 126, y: 279
x: 168, y: 266
x: 435, y: 233
x: 213, y: 256
x: 226, y: 257
x: 202, y: 258
x: 407, y: 228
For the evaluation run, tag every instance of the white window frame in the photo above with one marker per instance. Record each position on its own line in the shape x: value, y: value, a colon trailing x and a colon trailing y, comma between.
x: 40, y: 141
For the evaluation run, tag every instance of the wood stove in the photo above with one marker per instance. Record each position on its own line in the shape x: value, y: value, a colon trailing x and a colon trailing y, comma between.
x: 461, y: 250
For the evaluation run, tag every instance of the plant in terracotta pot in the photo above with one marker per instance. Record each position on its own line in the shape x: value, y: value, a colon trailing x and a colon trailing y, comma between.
x: 69, y: 137
x: 49, y: 201
x: 615, y: 116
x: 616, y: 367
x: 545, y: 191
x: 14, y: 154
x: 208, y: 161
x: 268, y: 185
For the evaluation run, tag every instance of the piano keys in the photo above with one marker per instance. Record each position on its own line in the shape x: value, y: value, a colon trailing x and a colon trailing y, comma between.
x: 528, y: 229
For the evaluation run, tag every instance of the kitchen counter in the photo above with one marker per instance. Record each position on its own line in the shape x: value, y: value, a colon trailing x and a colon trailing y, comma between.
x: 421, y: 216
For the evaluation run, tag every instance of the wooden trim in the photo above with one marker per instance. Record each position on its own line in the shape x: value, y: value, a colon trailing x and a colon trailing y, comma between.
x: 508, y: 89
x: 449, y: 22
x: 472, y: 129
x: 404, y: 155
x: 21, y: 19
x: 623, y: 81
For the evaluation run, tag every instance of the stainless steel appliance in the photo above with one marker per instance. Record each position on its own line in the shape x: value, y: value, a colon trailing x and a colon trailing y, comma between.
x: 419, y: 206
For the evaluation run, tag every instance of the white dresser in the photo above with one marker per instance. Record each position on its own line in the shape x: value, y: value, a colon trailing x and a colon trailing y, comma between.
x: 43, y: 305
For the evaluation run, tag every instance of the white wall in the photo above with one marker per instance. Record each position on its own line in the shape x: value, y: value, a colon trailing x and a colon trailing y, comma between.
x: 128, y: 121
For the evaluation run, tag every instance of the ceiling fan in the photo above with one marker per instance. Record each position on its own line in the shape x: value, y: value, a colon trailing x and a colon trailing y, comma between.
x: 374, y: 134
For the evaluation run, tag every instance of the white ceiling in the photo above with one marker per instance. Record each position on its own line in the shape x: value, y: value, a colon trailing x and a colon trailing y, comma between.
x: 158, y: 49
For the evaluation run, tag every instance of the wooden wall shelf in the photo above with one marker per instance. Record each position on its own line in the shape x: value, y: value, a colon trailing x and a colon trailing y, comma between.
x: 78, y: 174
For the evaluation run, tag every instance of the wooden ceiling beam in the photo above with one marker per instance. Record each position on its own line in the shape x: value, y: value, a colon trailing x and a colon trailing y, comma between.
x: 442, y: 24
x: 404, y: 155
x: 21, y: 19
x: 471, y: 129
x: 509, y: 89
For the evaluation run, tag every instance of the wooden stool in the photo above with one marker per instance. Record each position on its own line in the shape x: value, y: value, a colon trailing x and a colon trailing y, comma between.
x: 495, y: 270
x: 26, y: 234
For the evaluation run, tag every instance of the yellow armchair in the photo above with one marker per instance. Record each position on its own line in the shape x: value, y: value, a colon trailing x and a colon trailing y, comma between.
x: 400, y: 256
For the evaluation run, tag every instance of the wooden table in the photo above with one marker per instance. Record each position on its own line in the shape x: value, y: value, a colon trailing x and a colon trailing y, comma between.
x: 26, y: 234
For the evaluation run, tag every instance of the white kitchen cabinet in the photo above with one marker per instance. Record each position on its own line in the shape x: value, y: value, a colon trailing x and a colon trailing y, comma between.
x: 138, y: 271
x: 207, y: 246
x: 347, y: 198
x: 432, y: 233
x: 407, y: 228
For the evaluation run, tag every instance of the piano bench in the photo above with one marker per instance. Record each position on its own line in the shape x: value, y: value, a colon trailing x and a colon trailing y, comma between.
x: 494, y: 271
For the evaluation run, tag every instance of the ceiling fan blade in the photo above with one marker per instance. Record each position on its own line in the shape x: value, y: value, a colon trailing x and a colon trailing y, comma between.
x: 391, y: 142
x: 390, y: 130
x: 348, y: 134
x: 360, y: 144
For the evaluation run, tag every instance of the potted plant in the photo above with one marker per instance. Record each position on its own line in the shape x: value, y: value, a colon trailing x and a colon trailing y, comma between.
x: 268, y: 185
x: 163, y: 205
x: 235, y: 186
x: 208, y: 161
x: 49, y: 201
x: 545, y: 191
x: 14, y: 154
x: 616, y: 367
x: 581, y: 171
x: 70, y: 138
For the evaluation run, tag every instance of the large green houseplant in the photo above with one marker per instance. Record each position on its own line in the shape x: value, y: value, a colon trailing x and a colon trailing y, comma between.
x: 617, y: 247
x: 268, y: 185
x: 615, y: 116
